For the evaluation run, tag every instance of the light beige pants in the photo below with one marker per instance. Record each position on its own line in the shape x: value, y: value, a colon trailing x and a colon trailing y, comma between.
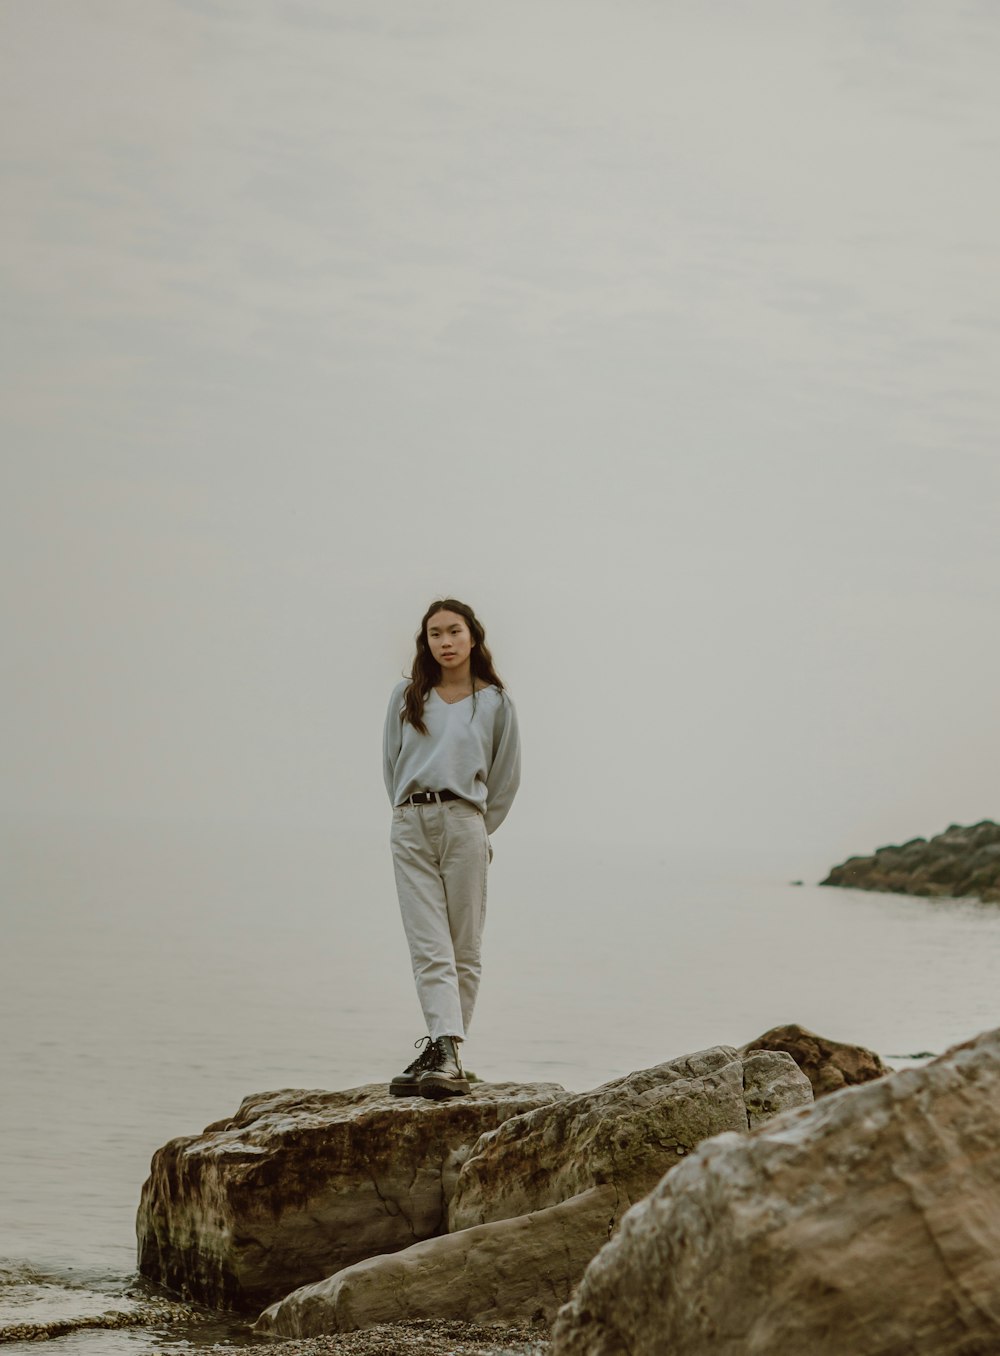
x: 440, y: 854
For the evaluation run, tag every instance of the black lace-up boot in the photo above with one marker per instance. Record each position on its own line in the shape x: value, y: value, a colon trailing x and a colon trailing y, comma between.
x: 443, y: 1076
x: 407, y: 1083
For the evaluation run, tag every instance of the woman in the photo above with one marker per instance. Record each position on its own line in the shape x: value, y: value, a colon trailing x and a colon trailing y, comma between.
x: 452, y: 765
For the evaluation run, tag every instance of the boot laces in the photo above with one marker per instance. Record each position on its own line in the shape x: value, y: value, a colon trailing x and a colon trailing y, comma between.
x: 425, y: 1057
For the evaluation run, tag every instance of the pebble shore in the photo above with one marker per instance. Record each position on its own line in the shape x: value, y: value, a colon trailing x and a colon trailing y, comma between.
x: 426, y: 1337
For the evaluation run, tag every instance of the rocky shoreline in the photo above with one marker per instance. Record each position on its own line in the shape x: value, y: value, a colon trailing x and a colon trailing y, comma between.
x: 959, y: 863
x: 666, y: 1210
x: 371, y: 1223
x: 343, y: 1210
x: 169, y: 1324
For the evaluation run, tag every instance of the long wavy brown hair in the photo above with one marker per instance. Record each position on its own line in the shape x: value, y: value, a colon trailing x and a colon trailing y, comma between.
x: 425, y: 671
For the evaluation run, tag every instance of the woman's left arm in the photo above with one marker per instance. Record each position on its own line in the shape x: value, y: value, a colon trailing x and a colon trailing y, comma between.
x: 504, y: 775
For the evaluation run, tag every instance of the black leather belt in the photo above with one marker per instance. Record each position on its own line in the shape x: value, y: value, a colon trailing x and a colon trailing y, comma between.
x: 430, y: 797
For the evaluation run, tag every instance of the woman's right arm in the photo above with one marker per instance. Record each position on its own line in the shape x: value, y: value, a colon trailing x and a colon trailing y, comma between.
x: 392, y: 740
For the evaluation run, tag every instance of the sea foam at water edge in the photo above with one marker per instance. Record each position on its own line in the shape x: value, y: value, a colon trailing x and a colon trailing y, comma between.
x: 35, y: 1305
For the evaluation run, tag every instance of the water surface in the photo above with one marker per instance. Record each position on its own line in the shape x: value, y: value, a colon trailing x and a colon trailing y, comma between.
x: 153, y: 977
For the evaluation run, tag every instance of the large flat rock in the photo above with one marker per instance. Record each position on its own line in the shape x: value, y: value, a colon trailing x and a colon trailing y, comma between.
x: 300, y: 1184
x: 515, y: 1269
x: 867, y: 1224
x: 627, y: 1133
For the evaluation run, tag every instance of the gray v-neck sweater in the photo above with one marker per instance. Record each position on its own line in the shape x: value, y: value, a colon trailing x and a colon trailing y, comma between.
x: 475, y: 753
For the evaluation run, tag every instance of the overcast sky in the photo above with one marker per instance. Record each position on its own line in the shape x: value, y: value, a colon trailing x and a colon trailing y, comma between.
x: 666, y: 334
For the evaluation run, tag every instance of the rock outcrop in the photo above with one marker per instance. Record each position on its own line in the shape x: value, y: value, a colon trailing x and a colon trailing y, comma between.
x: 627, y: 1133
x: 868, y: 1223
x: 960, y: 861
x: 298, y: 1185
x: 515, y: 1269
x: 540, y: 1196
x: 829, y: 1065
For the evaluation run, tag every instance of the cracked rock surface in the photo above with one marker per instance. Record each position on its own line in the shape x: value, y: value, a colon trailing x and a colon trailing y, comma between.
x: 299, y: 1184
x: 626, y: 1133
x: 868, y: 1223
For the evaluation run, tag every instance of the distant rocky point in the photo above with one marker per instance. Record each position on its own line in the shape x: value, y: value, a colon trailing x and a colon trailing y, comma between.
x: 959, y: 862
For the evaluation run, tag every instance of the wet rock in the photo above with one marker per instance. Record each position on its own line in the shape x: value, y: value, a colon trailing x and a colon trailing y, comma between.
x: 522, y: 1268
x: 829, y: 1065
x: 627, y: 1133
x: 868, y: 1223
x: 299, y: 1184
x: 959, y: 862
x: 26, y: 1319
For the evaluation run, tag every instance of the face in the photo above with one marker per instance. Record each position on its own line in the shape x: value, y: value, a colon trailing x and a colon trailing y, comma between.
x: 450, y: 640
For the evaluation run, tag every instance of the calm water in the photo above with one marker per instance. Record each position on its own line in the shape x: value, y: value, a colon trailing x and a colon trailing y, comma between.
x: 150, y: 979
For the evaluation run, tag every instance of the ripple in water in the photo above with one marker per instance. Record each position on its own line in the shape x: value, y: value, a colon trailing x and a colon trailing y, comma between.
x: 103, y: 1316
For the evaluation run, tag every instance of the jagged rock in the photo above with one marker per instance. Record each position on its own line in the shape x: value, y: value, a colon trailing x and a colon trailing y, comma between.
x: 868, y: 1223
x: 956, y: 863
x: 770, y: 1087
x: 829, y: 1065
x: 522, y: 1268
x: 627, y: 1133
x: 300, y: 1184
